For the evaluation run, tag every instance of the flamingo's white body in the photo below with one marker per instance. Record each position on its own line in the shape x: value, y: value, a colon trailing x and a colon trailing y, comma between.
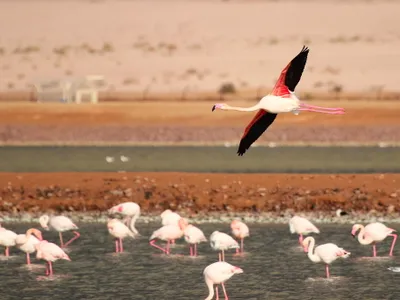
x: 166, y: 233
x: 374, y: 233
x: 59, y: 224
x: 7, y: 239
x: 120, y: 231
x: 50, y: 252
x: 26, y: 242
x: 193, y: 236
x: 240, y: 230
x: 302, y: 226
x: 169, y: 217
x: 130, y: 210
x: 326, y: 253
x: 219, y: 273
x: 221, y: 241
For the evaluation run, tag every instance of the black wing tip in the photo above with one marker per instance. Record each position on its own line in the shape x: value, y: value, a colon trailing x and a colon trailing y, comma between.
x: 213, y: 108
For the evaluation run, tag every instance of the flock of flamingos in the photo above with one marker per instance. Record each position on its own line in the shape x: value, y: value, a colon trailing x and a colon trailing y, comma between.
x: 175, y: 227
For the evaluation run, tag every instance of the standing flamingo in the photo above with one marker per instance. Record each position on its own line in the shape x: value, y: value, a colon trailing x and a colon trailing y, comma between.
x: 373, y: 233
x: 240, y: 231
x: 50, y: 252
x: 193, y: 235
x: 60, y: 224
x: 120, y: 231
x: 26, y: 242
x: 218, y: 273
x: 130, y: 210
x: 281, y: 100
x: 326, y: 253
x: 221, y: 241
x: 168, y: 217
x: 7, y: 239
x: 166, y: 233
x: 301, y: 226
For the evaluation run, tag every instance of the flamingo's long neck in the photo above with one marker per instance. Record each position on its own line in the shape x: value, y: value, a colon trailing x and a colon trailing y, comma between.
x: 360, y: 237
x: 311, y: 255
x: 132, y: 224
x: 237, y: 108
x: 210, y: 286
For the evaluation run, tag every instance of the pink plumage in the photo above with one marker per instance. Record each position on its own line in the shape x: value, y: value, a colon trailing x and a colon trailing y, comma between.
x: 221, y: 241
x: 193, y: 236
x: 50, y: 252
x: 166, y: 233
x: 240, y: 230
x: 302, y: 227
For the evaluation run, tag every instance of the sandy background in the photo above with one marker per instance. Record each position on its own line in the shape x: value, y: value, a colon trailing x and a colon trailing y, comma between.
x: 174, y: 44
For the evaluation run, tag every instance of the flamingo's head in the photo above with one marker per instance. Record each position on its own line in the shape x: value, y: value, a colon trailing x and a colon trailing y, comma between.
x: 236, y: 270
x: 306, y: 243
x: 183, y: 223
x: 44, y: 220
x: 355, y: 228
x: 222, y: 106
x: 36, y: 233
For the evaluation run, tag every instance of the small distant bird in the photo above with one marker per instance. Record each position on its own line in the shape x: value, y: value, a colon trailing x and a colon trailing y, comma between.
x: 221, y: 241
x: 26, y: 242
x: 301, y: 226
x: 60, y: 224
x: 124, y: 158
x: 110, y: 159
x: 193, y: 235
x: 326, y: 253
x: 240, y: 230
x: 7, y: 239
x: 50, y: 252
x: 373, y: 233
x: 281, y: 100
x: 120, y: 231
x: 219, y: 273
x: 166, y: 233
x: 340, y: 213
x: 130, y: 210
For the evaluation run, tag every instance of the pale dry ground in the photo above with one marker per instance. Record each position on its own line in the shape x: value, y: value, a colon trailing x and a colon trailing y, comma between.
x: 175, y: 43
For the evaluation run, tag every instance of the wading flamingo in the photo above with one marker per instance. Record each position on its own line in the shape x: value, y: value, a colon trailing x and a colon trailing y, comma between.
x: 7, y: 239
x: 193, y: 235
x: 50, y: 252
x: 26, y: 242
x: 166, y: 233
x: 240, y: 231
x: 219, y: 273
x: 281, y: 100
x: 326, y: 253
x: 221, y: 241
x: 168, y: 217
x: 59, y: 224
x: 373, y: 233
x: 120, y: 231
x: 301, y: 226
x: 130, y: 210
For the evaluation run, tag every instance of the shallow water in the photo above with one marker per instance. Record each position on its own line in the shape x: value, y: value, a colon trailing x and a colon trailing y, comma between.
x: 274, y: 268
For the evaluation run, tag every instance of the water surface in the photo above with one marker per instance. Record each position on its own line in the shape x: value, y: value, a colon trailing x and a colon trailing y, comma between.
x: 274, y: 268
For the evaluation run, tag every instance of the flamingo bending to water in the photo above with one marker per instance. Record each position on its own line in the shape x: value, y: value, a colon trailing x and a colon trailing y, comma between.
x: 50, y: 252
x: 59, y: 224
x: 193, y: 236
x: 7, y: 239
x: 221, y: 241
x: 26, y: 242
x: 166, y: 233
x: 301, y: 226
x: 219, y: 273
x: 326, y: 253
x: 130, y: 210
x: 373, y: 233
x: 240, y: 230
x: 281, y: 100
x: 120, y: 231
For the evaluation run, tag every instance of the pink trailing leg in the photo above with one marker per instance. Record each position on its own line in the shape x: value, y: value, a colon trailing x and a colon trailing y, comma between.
x: 223, y: 288
x: 320, y: 109
x: 28, y: 259
x: 7, y: 252
x: 393, y: 243
x: 374, y: 250
x: 327, y: 271
x: 77, y: 235
x: 165, y: 250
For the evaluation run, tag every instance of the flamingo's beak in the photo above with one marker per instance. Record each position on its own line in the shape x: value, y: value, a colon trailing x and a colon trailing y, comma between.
x: 213, y: 108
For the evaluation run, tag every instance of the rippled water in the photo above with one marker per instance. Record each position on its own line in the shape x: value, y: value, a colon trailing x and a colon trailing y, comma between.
x: 274, y: 268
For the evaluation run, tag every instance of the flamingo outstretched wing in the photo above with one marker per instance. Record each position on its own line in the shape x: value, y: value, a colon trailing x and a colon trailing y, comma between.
x: 286, y: 83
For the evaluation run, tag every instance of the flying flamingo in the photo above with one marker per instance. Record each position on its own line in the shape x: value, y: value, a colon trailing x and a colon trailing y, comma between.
x: 50, y: 252
x: 281, y: 100
x: 166, y: 233
x: 301, y: 226
x: 326, y: 253
x: 130, y: 210
x: 193, y: 235
x: 60, y: 224
x: 168, y: 217
x: 221, y: 241
x: 240, y: 231
x: 7, y: 239
x: 218, y: 273
x: 373, y: 233
x: 26, y: 242
x: 120, y: 231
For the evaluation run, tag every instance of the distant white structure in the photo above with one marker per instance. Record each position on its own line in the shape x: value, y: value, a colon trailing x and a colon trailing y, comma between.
x: 70, y: 90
